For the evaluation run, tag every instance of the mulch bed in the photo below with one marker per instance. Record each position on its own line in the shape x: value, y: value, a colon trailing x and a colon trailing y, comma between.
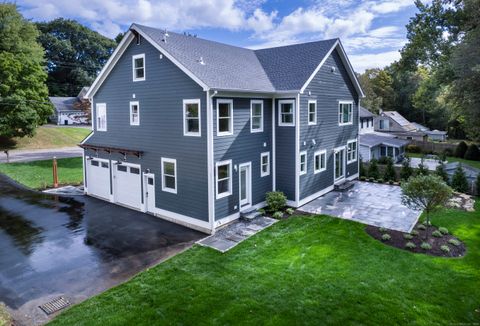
x: 398, y: 241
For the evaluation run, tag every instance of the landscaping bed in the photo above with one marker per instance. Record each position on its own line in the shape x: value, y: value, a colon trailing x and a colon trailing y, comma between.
x: 440, y: 243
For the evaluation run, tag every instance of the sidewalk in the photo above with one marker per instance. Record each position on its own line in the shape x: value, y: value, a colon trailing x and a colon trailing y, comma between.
x: 41, y: 154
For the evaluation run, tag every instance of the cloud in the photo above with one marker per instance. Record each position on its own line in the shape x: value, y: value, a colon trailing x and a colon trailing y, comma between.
x: 360, y: 62
x: 386, y: 7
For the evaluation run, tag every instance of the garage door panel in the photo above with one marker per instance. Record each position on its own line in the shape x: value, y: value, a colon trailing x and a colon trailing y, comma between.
x: 98, y: 178
x: 127, y: 189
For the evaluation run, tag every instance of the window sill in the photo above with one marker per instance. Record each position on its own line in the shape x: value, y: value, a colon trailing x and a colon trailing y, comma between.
x: 223, y: 195
x: 319, y: 171
x: 286, y: 125
x: 255, y: 131
x: 221, y: 134
x: 137, y: 80
x: 346, y: 124
x: 192, y: 134
x: 172, y: 191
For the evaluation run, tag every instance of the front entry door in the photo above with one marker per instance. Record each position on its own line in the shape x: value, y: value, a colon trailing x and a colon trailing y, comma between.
x: 149, y: 183
x: 245, y: 182
x: 339, y: 164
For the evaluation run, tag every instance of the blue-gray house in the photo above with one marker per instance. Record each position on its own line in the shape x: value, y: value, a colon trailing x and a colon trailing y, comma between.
x: 196, y: 131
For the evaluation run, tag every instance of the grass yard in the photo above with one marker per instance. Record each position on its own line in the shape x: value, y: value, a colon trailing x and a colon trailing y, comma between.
x: 4, y: 316
x: 304, y: 270
x: 475, y: 164
x: 53, y: 137
x: 38, y: 174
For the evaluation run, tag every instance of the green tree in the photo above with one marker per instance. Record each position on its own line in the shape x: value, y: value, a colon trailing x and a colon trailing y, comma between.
x: 389, y: 174
x: 427, y: 193
x: 441, y: 172
x: 477, y: 184
x: 459, y: 180
x: 472, y: 153
x: 24, y: 101
x: 406, y: 170
x: 373, y: 169
x: 422, y: 169
x: 75, y: 54
x: 461, y: 149
x: 377, y: 85
x: 362, y: 169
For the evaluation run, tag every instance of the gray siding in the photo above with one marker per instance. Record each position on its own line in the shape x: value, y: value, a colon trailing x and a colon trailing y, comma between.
x: 327, y: 88
x: 242, y: 147
x: 160, y: 133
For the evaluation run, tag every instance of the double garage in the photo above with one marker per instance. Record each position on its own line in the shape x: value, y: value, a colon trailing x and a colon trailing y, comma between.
x: 114, y: 181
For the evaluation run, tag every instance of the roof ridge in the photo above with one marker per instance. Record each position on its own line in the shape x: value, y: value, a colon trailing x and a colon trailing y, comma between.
x: 296, y: 44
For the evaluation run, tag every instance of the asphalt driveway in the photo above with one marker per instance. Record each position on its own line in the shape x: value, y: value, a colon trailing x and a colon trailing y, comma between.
x: 75, y: 247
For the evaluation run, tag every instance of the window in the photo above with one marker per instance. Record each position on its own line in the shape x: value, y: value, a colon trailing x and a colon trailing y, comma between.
x: 345, y: 113
x: 320, y: 161
x: 134, y: 170
x: 286, y: 113
x: 303, y: 163
x: 265, y: 164
x: 134, y: 114
x: 101, y: 117
x: 256, y: 116
x: 224, y: 179
x: 138, y: 63
x: 191, y: 117
x: 105, y: 165
x: 224, y: 117
x: 312, y: 112
x: 169, y: 175
x: 121, y: 168
x: 381, y: 124
x: 94, y: 163
x: 351, y: 151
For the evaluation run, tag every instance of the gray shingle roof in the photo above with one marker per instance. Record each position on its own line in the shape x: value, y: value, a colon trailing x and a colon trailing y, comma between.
x: 63, y: 104
x: 229, y: 67
x: 372, y: 140
x: 364, y: 113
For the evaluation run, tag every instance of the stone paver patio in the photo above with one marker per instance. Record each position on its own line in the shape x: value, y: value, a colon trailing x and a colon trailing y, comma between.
x: 369, y: 203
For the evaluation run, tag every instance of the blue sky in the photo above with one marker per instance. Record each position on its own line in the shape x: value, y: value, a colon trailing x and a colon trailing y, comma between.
x: 372, y: 31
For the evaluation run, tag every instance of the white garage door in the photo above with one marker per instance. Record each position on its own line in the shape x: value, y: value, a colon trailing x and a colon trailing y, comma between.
x: 98, y: 178
x: 127, y: 188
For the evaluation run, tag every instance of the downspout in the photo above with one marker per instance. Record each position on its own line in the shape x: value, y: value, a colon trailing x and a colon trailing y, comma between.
x: 297, y: 151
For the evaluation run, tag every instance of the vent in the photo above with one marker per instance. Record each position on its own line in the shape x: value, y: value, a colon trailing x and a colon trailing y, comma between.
x: 55, y: 305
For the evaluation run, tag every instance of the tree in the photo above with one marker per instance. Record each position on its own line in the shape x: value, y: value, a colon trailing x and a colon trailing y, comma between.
x: 362, y: 169
x: 24, y: 101
x: 461, y: 149
x: 373, y: 169
x: 477, y: 184
x: 406, y: 170
x: 459, y: 180
x: 422, y: 169
x: 441, y: 172
x: 75, y: 54
x: 427, y: 193
x: 390, y: 174
x: 472, y: 153
x: 377, y: 86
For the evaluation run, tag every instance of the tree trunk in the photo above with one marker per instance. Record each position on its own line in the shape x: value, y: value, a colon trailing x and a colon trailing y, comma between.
x: 427, y: 218
x: 8, y: 155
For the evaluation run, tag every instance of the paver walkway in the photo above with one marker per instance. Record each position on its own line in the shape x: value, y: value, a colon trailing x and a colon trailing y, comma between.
x: 231, y: 235
x: 368, y: 203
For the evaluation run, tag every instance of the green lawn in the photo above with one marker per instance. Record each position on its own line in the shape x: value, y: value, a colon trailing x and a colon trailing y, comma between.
x: 53, y: 137
x: 38, y: 174
x: 304, y: 270
x: 475, y: 164
x: 4, y: 316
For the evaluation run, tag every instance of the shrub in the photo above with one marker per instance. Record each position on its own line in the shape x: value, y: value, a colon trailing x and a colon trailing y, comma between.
x: 445, y: 248
x: 261, y: 211
x: 454, y: 242
x: 461, y: 149
x: 472, y: 153
x: 362, y: 178
x: 371, y: 179
x: 407, y: 236
x: 459, y: 180
x: 290, y: 211
x: 413, y: 148
x: 421, y: 227
x: 422, y: 169
x: 390, y: 173
x: 425, y: 246
x: 382, y: 229
x: 441, y: 172
x: 414, y: 232
x: 406, y: 171
x: 477, y: 184
x: 373, y: 169
x: 276, y: 200
x: 383, y: 160
x: 386, y: 237
x: 448, y: 152
x: 443, y: 230
x: 277, y: 215
x: 380, y: 180
x: 437, y: 234
x: 410, y: 245
x: 391, y: 182
x: 362, y: 171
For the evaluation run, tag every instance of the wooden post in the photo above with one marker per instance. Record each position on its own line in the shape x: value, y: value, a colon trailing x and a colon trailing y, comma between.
x: 55, y: 173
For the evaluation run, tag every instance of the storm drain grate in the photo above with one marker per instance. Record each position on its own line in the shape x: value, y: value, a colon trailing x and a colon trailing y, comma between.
x: 55, y: 305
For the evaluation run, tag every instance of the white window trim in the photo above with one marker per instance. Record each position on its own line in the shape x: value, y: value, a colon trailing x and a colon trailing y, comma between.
x: 174, y: 161
x: 252, y: 102
x: 319, y: 153
x: 132, y: 103
x: 315, y: 120
x: 224, y: 194
x: 351, y: 115
x: 280, y: 123
x: 264, y: 174
x: 185, y: 125
x: 96, y: 116
x: 144, y: 67
x: 356, y: 150
x: 225, y: 133
x: 300, y: 163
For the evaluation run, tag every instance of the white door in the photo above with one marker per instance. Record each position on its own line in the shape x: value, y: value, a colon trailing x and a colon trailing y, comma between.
x: 245, y: 185
x: 149, y: 182
x: 339, y: 164
x: 127, y: 188
x: 98, y: 177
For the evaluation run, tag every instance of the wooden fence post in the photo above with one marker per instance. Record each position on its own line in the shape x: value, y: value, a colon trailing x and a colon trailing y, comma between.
x: 55, y: 173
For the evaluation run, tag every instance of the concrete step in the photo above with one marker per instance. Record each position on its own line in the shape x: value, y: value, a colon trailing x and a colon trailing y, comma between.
x: 250, y: 214
x: 344, y: 186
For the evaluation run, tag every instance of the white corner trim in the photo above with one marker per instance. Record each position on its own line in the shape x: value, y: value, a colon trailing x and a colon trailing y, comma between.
x: 262, y: 117
x: 294, y: 110
x: 230, y: 106
x: 132, y: 123
x: 164, y: 187
x: 185, y: 124
x: 210, y: 166
x: 134, y: 69
x: 312, y: 123
x: 230, y: 177
x: 262, y: 155
x: 274, y: 150
x: 297, y: 150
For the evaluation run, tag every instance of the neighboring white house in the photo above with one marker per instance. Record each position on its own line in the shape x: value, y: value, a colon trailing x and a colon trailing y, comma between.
x: 69, y: 111
x: 394, y: 123
x: 434, y: 135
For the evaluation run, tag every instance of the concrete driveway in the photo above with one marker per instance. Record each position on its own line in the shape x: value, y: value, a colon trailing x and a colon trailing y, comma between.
x: 369, y: 203
x: 54, y: 246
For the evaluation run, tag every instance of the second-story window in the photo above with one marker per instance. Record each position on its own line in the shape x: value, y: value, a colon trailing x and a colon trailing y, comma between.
x: 345, y: 116
x: 256, y: 116
x: 138, y: 63
x: 191, y: 117
x: 224, y: 117
x: 286, y: 113
x: 312, y: 112
x: 134, y: 113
